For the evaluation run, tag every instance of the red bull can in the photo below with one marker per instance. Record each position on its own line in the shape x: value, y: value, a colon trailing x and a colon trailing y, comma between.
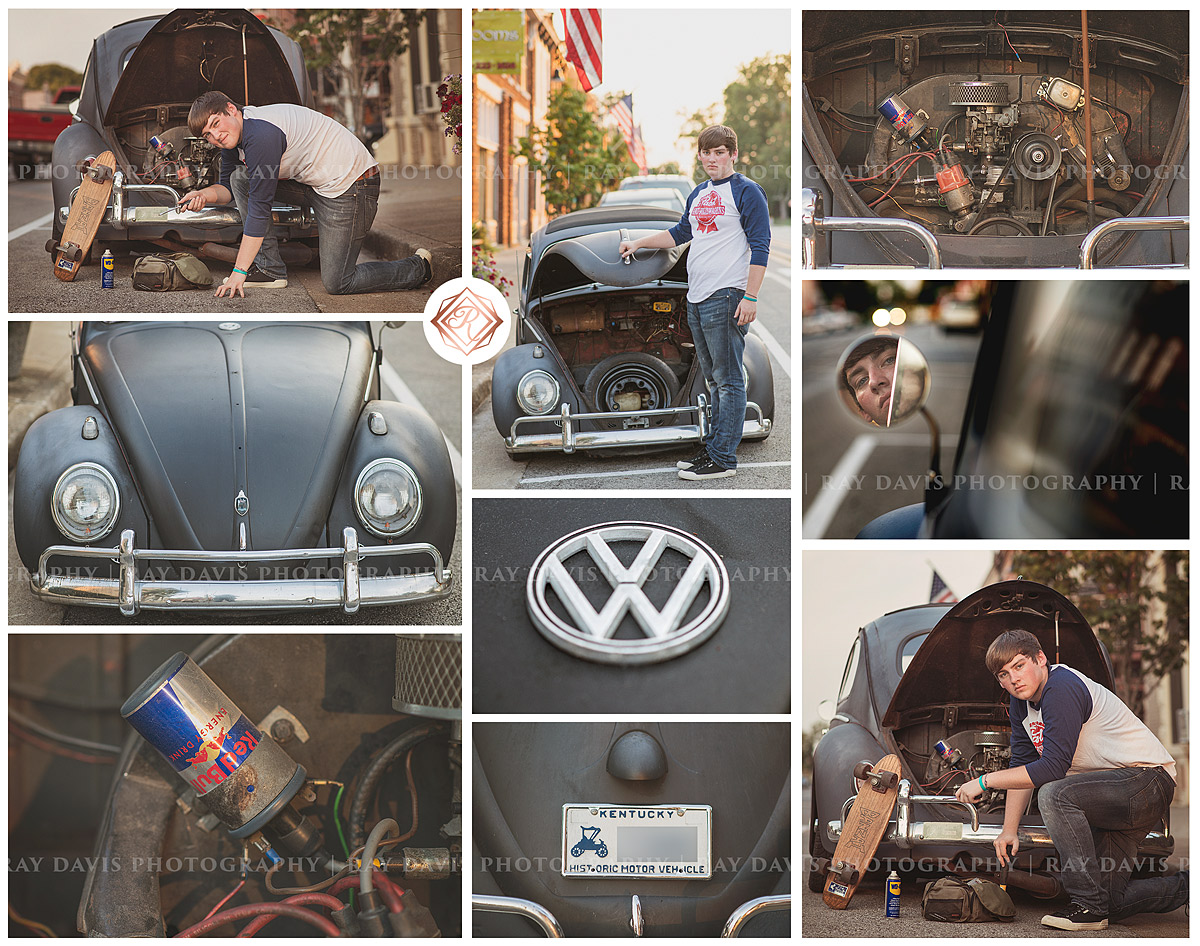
x: 208, y: 740
x: 901, y: 117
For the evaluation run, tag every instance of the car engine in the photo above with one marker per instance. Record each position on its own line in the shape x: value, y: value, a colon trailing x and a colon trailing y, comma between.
x: 969, y: 754
x: 178, y: 159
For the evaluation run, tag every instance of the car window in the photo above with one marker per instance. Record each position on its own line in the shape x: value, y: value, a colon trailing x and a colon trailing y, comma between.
x: 908, y: 650
x: 850, y: 671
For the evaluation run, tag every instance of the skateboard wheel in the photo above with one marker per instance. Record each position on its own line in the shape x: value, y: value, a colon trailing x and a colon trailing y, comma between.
x: 100, y: 173
x: 84, y: 163
x: 887, y: 781
x: 846, y: 876
x: 51, y: 245
x: 862, y: 769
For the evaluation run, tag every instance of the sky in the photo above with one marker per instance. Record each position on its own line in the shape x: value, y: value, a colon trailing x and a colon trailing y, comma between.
x: 843, y: 590
x: 60, y: 35
x: 676, y: 62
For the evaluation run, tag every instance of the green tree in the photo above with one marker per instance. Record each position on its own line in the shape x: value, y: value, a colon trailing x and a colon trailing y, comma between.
x: 578, y: 158
x: 758, y: 106
x: 355, y: 47
x: 690, y: 132
x: 1137, y: 602
x: 52, y: 75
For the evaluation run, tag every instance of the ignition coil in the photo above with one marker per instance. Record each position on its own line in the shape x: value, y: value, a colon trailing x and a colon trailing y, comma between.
x: 954, y: 187
x: 244, y: 777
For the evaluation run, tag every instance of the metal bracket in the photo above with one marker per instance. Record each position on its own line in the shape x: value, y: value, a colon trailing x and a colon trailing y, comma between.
x: 908, y: 54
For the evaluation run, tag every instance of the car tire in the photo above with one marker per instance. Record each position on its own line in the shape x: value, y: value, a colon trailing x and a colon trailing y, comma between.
x: 633, y: 371
x: 814, y: 878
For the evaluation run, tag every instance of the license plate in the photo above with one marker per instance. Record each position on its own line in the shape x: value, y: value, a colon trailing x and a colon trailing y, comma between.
x: 621, y: 841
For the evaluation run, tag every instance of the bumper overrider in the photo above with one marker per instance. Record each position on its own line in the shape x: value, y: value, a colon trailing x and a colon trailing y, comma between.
x: 131, y: 593
x: 636, y: 430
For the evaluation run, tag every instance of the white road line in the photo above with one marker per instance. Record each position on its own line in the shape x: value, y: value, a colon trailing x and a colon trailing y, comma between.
x: 820, y: 514
x: 40, y: 224
x: 406, y: 396
x: 782, y: 357
x: 660, y: 469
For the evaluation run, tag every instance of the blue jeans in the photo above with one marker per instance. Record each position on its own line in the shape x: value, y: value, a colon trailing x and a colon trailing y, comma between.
x: 1097, y: 820
x: 720, y: 342
x: 342, y: 224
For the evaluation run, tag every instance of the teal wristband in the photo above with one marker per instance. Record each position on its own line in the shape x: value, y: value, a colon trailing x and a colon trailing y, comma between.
x: 981, y: 785
x: 242, y: 271
x: 746, y: 295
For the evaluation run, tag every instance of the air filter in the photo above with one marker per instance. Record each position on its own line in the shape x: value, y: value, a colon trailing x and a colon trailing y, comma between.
x: 429, y: 675
x: 979, y: 93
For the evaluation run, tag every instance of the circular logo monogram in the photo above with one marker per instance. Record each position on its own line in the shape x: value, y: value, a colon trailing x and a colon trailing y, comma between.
x: 676, y: 627
x: 467, y: 321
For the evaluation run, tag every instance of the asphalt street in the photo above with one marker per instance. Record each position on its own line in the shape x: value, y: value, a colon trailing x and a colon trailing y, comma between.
x: 864, y: 917
x: 33, y: 288
x: 411, y: 374
x: 765, y: 464
x: 853, y: 473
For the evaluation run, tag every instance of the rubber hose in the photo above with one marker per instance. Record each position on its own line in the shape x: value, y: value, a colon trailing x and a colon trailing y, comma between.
x: 374, y: 773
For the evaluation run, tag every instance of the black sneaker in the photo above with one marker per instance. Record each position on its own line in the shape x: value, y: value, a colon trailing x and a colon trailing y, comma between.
x: 1076, y: 917
x: 260, y: 280
x: 427, y: 259
x: 710, y: 469
x: 695, y: 460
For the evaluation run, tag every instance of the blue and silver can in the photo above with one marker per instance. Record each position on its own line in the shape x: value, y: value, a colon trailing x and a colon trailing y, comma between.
x: 208, y: 740
x: 107, y: 262
x: 891, y: 903
x: 902, y: 118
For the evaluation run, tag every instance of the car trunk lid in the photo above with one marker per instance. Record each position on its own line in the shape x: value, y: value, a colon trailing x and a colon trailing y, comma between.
x: 206, y: 413
x: 949, y: 667
x: 593, y: 258
x: 162, y: 69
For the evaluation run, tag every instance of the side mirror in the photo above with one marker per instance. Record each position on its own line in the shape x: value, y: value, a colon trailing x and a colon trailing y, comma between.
x: 883, y: 379
x: 826, y: 710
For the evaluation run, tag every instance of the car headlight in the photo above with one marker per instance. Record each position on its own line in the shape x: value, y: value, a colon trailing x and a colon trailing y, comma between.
x: 85, y: 502
x: 537, y: 392
x: 387, y: 497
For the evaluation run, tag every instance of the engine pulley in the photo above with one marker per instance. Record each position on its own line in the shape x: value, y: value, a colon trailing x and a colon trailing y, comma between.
x: 1037, y: 156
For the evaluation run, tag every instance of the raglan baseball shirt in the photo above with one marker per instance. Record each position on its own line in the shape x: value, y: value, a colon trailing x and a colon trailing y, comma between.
x: 291, y: 142
x: 1079, y: 726
x: 730, y: 228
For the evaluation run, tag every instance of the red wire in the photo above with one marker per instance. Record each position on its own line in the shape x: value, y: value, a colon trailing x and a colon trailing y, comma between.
x: 228, y: 897
x: 386, y: 886
x: 904, y: 170
x: 903, y: 157
x: 251, y: 910
x: 319, y: 899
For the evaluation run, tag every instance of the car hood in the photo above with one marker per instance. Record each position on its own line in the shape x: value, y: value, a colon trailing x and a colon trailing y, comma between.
x: 179, y: 58
x: 593, y: 258
x: 949, y: 667
x: 1167, y: 28
x: 205, y: 412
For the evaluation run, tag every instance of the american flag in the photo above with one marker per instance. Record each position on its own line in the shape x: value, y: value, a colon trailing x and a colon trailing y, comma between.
x: 939, y: 591
x: 583, y: 45
x: 623, y: 113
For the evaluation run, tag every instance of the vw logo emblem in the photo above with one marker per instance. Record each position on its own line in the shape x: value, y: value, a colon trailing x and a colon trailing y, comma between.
x: 591, y: 634
x: 241, y: 504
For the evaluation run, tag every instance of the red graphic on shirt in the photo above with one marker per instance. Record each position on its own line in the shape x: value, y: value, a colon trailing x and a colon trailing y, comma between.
x: 1037, y: 731
x: 707, y: 209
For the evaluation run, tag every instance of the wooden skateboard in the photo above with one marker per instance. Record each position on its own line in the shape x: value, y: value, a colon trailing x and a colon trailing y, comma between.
x: 87, y: 212
x: 863, y: 830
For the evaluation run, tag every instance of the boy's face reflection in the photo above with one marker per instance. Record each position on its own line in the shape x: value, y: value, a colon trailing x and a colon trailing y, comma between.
x: 870, y: 380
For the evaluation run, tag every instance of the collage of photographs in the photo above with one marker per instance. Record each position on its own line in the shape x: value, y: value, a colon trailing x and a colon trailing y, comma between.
x: 550, y: 516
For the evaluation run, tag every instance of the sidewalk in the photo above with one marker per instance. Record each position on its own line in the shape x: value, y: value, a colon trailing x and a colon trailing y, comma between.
x: 419, y: 207
x: 43, y: 385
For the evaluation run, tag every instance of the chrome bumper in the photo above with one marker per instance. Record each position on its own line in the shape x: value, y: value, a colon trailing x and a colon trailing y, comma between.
x: 637, y: 433
x: 123, y: 217
x: 132, y: 594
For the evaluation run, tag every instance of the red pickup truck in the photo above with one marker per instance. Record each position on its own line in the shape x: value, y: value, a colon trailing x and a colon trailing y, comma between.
x: 31, y: 132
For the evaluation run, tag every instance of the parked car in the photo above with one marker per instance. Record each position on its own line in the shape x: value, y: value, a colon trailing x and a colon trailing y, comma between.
x: 604, y: 357
x: 141, y: 79
x: 916, y: 678
x: 680, y: 182
x: 994, y: 105
x: 233, y: 465
x: 606, y: 829
x: 1077, y: 421
x: 666, y: 197
x: 32, y: 132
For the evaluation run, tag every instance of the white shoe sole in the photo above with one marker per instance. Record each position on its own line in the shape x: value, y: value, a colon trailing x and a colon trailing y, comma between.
x: 1059, y: 923
x: 274, y: 284
x: 689, y: 475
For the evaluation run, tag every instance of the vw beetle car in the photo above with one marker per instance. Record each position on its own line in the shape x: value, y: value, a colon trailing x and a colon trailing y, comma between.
x: 604, y: 357
x: 917, y: 677
x: 233, y: 465
x: 665, y: 800
x: 140, y: 81
x: 997, y: 101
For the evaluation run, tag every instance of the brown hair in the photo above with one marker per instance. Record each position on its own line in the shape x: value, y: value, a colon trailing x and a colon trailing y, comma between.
x: 204, y: 108
x: 868, y: 348
x: 716, y: 135
x: 1007, y: 646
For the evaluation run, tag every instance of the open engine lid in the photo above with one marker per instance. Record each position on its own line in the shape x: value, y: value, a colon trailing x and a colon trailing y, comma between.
x: 593, y: 258
x: 189, y: 52
x: 949, y: 666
